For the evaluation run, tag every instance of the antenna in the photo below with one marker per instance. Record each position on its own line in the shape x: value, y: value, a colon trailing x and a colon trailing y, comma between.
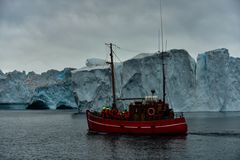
x: 166, y: 46
x: 162, y: 55
x: 161, y: 23
x: 159, y: 40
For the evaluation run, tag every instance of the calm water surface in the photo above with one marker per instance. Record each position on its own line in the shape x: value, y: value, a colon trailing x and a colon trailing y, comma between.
x: 63, y: 135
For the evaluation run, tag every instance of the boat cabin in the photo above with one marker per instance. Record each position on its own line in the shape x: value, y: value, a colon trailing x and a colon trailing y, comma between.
x: 151, y: 108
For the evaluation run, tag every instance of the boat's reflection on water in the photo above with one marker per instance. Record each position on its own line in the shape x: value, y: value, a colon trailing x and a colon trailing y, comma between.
x: 146, y: 146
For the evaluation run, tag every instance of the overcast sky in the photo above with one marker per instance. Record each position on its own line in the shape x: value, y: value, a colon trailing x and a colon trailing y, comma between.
x: 37, y: 35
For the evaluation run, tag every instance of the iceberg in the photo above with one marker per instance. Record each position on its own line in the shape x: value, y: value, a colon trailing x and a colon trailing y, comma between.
x: 209, y: 84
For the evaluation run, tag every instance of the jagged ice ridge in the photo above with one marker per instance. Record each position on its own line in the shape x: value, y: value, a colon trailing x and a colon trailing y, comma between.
x: 210, y: 84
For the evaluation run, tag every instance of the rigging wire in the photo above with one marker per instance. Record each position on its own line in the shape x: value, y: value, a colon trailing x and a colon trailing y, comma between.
x: 130, y: 50
x: 107, y: 54
x: 134, y: 50
x: 117, y: 57
x: 121, y: 77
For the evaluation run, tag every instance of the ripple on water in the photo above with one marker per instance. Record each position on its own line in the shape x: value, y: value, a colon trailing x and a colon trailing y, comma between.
x: 63, y: 135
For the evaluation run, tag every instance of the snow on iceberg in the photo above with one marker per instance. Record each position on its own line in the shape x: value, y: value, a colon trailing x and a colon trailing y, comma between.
x: 210, y: 84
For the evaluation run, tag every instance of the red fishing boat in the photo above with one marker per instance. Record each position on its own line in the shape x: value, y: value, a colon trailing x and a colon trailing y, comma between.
x: 174, y: 126
x: 148, y: 115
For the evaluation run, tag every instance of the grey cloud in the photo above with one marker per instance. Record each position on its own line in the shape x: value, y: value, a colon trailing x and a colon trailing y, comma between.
x: 41, y: 34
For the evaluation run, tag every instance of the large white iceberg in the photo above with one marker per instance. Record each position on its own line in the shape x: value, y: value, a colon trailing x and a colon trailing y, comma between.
x: 210, y: 84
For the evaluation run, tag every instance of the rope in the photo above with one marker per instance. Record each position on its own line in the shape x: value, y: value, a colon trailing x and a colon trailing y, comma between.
x: 133, y: 50
x: 107, y: 54
x: 117, y: 57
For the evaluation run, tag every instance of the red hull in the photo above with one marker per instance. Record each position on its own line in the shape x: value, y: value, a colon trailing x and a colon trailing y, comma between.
x: 170, y: 126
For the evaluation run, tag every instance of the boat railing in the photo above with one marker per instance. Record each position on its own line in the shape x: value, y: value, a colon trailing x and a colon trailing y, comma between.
x: 179, y: 115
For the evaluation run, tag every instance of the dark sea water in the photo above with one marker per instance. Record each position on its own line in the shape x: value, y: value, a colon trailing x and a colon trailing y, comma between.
x: 63, y: 135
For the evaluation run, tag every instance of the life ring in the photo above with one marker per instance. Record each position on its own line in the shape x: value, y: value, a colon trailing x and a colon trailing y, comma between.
x: 151, y: 111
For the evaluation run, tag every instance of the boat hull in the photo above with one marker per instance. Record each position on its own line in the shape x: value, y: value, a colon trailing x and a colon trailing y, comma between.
x: 98, y: 124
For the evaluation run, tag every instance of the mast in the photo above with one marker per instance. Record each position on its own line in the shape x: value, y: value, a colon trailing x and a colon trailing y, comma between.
x: 163, y: 68
x: 164, y: 79
x: 113, y: 78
